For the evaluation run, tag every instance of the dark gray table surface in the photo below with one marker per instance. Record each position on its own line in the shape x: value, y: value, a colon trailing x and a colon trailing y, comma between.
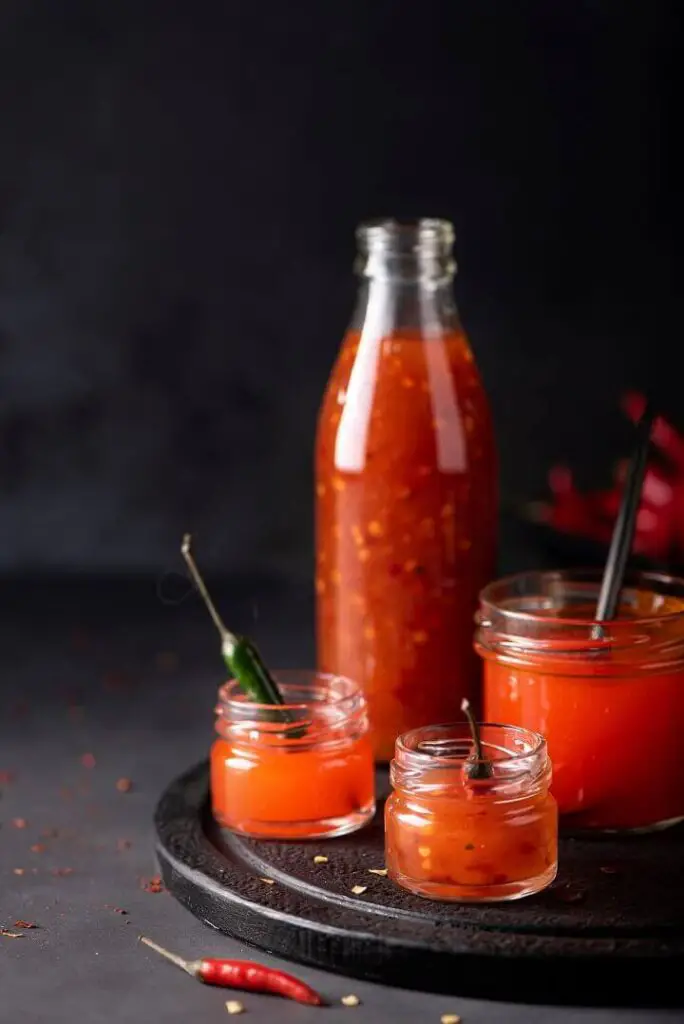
x: 110, y: 671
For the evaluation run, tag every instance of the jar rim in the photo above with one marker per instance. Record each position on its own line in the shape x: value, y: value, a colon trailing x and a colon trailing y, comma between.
x: 491, y: 596
x: 420, y: 758
x: 231, y: 698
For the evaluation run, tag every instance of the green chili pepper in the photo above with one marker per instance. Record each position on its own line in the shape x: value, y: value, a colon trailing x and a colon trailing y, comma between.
x: 247, y: 666
x: 240, y: 655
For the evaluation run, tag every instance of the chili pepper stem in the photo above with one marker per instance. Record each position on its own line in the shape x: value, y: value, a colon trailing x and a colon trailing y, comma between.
x: 475, y: 732
x: 191, y: 967
x: 480, y: 767
x: 239, y: 654
x: 228, y: 639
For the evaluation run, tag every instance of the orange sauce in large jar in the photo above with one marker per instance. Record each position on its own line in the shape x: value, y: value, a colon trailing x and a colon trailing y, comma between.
x: 609, y: 698
x: 406, y: 510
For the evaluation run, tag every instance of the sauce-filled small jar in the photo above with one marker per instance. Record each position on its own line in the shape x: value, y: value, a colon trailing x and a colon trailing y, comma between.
x: 608, y: 697
x: 301, y: 770
x: 450, y: 835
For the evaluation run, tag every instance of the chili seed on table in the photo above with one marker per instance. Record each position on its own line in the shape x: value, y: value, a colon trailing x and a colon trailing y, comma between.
x: 350, y: 1000
x: 234, y: 1006
x: 378, y: 871
x: 267, y: 881
x: 450, y: 1018
x: 358, y: 890
x: 320, y: 859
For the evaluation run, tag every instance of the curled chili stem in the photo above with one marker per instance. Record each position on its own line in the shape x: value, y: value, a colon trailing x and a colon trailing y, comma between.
x: 479, y: 766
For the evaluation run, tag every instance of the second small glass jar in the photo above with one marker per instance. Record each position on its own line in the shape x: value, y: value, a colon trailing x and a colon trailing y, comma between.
x: 449, y: 836
x: 302, y: 770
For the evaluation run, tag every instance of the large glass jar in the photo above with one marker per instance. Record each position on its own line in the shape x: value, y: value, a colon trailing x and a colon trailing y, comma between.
x: 609, y: 700
x: 406, y: 488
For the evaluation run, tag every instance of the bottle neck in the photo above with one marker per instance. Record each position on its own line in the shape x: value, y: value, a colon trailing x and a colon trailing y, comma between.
x: 393, y: 306
x: 406, y: 275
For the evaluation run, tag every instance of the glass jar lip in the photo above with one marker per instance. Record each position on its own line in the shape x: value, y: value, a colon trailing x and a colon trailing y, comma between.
x: 419, y: 229
x: 420, y: 758
x: 489, y: 594
x: 231, y: 698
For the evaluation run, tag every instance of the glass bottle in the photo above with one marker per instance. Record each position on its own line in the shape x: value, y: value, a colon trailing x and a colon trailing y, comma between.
x: 406, y: 488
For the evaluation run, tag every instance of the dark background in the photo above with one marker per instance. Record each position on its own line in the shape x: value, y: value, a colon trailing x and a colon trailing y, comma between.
x: 179, y: 185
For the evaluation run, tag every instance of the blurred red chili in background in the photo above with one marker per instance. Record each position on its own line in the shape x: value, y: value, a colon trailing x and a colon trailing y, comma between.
x: 660, y: 523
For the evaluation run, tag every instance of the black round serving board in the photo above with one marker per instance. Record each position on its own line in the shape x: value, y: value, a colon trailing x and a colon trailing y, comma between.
x: 609, y: 931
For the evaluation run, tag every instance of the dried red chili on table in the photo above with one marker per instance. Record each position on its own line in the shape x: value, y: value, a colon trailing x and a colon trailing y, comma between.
x: 242, y: 974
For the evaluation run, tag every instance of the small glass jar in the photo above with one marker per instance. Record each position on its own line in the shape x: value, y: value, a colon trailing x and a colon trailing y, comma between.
x: 449, y: 836
x: 608, y: 698
x: 303, y: 778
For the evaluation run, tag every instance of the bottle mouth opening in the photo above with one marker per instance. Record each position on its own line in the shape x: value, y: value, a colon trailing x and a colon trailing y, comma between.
x: 406, y: 236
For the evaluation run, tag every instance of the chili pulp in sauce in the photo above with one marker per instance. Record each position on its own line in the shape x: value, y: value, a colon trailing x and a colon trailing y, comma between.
x: 406, y: 524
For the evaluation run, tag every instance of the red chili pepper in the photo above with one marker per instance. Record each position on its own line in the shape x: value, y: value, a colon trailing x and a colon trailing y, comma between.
x: 663, y: 435
x: 242, y: 974
x: 659, y: 530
